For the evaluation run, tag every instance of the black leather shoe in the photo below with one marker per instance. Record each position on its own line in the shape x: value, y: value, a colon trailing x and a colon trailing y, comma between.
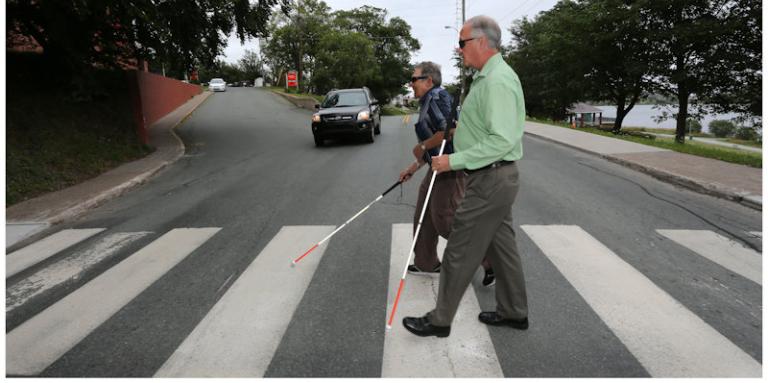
x: 422, y: 327
x: 491, y: 318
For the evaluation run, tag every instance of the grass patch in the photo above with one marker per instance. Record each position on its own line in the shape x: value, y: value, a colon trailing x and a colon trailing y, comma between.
x: 387, y: 110
x: 54, y: 141
x: 744, y: 142
x: 294, y: 92
x: 732, y: 155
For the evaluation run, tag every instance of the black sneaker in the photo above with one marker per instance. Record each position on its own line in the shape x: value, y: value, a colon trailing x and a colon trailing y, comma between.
x: 489, y: 279
x: 412, y: 269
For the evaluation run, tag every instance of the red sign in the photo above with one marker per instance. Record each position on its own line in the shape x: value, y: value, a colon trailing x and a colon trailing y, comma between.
x: 292, y: 79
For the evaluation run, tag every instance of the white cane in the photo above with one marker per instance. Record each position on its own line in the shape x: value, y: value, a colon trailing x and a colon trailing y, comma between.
x: 415, y: 237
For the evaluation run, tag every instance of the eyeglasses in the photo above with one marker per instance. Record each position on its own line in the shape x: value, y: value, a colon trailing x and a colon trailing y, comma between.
x: 462, y: 43
x: 417, y: 78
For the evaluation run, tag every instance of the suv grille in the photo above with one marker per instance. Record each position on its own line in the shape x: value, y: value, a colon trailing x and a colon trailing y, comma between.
x: 338, y: 117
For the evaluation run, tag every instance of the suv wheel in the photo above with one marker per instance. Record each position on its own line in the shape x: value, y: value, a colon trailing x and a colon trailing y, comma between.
x: 377, y: 129
x: 318, y: 141
x: 369, y: 137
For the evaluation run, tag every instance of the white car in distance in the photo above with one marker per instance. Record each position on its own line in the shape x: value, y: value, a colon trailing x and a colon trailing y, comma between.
x: 217, y: 85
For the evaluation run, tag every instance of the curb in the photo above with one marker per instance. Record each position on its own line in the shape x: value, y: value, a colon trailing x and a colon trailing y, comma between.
x: 751, y: 201
x: 301, y: 102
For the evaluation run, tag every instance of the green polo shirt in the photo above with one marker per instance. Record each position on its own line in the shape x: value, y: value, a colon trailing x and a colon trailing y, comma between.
x: 491, y: 121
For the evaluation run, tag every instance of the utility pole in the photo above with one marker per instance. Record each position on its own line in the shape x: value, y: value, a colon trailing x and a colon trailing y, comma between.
x: 461, y: 70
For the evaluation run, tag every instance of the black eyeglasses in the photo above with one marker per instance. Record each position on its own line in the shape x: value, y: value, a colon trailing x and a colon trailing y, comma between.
x: 462, y: 43
x: 417, y: 78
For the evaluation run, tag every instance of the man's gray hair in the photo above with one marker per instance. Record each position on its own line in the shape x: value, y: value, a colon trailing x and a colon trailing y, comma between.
x: 486, y: 26
x: 428, y: 68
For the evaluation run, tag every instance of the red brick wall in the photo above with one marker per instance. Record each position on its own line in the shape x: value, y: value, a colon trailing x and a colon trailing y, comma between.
x: 158, y: 96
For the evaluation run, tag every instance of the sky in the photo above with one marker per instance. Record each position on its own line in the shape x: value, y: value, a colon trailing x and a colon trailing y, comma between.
x: 428, y: 19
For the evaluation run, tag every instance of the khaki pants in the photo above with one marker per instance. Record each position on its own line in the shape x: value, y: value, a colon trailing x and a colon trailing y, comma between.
x: 482, y: 226
x: 447, y: 193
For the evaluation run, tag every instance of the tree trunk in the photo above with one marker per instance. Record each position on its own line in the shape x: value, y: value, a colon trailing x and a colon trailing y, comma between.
x: 682, y: 113
x: 620, y: 114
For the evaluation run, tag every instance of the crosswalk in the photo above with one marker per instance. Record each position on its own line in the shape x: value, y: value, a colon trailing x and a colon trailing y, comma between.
x: 240, y: 334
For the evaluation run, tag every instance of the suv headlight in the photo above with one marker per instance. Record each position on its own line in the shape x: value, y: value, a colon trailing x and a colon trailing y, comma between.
x: 364, y: 116
x: 315, y: 118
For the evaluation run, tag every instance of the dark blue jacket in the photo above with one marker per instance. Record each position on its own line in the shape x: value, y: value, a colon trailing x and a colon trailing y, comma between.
x: 434, y: 116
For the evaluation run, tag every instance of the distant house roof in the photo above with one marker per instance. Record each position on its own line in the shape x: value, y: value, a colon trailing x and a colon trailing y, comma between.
x: 580, y: 107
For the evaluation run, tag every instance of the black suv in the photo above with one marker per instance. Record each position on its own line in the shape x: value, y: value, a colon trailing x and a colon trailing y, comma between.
x: 347, y: 112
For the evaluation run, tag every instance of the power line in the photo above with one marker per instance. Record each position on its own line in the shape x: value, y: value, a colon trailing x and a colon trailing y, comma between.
x: 514, y: 10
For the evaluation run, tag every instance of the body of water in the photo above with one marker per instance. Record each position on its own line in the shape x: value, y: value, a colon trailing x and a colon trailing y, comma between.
x: 643, y: 116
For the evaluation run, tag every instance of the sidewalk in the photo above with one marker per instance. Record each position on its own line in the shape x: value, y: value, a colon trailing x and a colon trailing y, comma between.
x: 704, y: 175
x: 32, y: 216
x: 713, y: 141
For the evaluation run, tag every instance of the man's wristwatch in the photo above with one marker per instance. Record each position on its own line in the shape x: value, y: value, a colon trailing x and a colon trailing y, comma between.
x: 423, y: 147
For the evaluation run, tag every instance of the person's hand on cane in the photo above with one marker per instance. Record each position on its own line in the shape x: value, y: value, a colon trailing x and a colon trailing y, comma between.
x: 407, y: 173
x: 441, y: 164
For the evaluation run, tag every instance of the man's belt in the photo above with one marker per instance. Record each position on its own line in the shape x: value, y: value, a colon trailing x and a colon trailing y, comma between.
x: 496, y: 164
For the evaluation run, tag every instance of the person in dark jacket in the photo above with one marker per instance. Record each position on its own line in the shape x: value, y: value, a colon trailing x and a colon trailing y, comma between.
x: 434, y: 117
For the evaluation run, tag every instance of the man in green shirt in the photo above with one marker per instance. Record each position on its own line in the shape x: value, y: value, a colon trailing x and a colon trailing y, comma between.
x: 488, y: 141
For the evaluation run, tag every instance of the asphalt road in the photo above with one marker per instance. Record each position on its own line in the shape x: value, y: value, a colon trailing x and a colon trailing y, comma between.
x: 251, y: 168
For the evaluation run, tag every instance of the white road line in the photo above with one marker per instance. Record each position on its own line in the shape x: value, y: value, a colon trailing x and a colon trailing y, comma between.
x: 721, y: 250
x: 67, y: 269
x: 757, y: 234
x: 44, y: 338
x: 44, y: 248
x: 467, y: 352
x: 238, y: 337
x: 668, y: 339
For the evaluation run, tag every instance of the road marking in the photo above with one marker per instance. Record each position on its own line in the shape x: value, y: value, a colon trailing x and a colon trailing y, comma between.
x: 44, y: 338
x: 668, y: 339
x: 45, y: 248
x: 721, y: 250
x: 757, y: 234
x: 467, y: 352
x: 67, y: 269
x: 238, y: 337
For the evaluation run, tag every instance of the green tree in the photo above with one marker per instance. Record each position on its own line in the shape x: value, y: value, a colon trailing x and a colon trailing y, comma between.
x: 295, y: 39
x: 550, y: 60
x: 183, y: 34
x: 392, y: 42
x: 580, y: 51
x: 299, y: 40
x: 721, y: 128
x: 344, y: 61
x: 706, y: 48
x: 251, y: 65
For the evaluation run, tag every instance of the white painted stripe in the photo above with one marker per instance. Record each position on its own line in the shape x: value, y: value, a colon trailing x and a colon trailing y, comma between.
x: 67, y: 269
x: 43, y: 249
x: 758, y: 234
x: 467, y: 352
x: 721, y: 250
x: 38, y: 342
x: 238, y: 337
x: 668, y: 339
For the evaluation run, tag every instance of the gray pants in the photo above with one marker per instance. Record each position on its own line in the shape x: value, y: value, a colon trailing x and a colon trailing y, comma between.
x: 482, y: 226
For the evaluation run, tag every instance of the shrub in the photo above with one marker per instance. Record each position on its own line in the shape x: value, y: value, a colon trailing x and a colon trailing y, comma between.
x: 746, y: 133
x: 693, y: 126
x: 722, y: 128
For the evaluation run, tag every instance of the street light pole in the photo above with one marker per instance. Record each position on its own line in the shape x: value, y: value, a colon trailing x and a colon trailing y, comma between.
x: 461, y: 64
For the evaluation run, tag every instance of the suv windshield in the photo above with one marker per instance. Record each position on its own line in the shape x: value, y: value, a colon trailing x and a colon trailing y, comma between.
x: 345, y: 99
x: 217, y: 81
